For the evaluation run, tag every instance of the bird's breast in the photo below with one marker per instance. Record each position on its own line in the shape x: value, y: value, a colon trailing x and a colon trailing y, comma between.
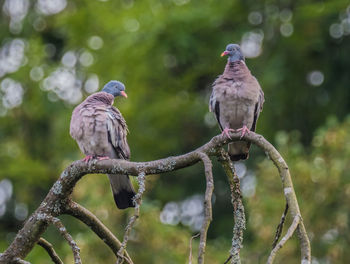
x: 236, y: 106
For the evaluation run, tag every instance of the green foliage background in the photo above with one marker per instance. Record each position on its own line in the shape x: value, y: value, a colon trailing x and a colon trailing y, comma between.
x: 167, y: 54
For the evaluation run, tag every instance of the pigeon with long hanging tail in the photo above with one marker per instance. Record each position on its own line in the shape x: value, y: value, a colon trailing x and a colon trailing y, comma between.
x: 100, y: 131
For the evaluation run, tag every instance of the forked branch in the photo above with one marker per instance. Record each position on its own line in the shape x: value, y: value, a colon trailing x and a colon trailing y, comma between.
x: 190, y: 256
x: 89, y: 219
x: 58, y: 201
x: 280, y: 227
x: 63, y: 231
x: 137, y: 201
x: 280, y: 244
x: 50, y: 250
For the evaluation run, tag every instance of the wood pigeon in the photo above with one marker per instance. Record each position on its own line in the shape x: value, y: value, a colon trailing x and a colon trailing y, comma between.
x: 100, y: 131
x: 236, y: 100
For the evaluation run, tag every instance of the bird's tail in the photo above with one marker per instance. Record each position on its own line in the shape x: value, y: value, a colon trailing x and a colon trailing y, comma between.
x: 238, y: 150
x: 123, y: 191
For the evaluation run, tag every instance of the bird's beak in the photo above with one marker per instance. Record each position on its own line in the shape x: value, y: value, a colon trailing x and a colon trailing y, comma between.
x: 224, y: 53
x: 124, y: 94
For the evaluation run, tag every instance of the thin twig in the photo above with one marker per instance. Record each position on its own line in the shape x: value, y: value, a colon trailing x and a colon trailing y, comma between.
x: 291, y: 198
x: 50, y: 250
x: 238, y: 208
x: 190, y: 256
x: 137, y: 201
x: 280, y: 227
x: 63, y: 231
x: 228, y: 259
x: 291, y: 229
x: 20, y: 261
x: 207, y: 205
x: 84, y: 215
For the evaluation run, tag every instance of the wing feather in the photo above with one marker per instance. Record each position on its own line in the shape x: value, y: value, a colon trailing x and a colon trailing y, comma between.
x: 117, y: 131
x: 258, y: 108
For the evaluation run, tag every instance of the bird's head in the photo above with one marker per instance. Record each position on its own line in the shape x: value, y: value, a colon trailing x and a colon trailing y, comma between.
x: 234, y: 53
x: 115, y: 88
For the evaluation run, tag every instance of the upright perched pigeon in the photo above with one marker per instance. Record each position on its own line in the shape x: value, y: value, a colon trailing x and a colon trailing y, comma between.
x: 100, y: 131
x: 236, y: 100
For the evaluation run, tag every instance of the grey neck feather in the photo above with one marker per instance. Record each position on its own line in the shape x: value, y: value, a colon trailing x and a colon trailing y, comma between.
x: 236, y: 57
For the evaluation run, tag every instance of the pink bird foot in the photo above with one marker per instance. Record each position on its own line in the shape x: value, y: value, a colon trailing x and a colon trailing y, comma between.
x: 244, y: 130
x: 88, y: 158
x: 226, y: 130
x: 102, y: 158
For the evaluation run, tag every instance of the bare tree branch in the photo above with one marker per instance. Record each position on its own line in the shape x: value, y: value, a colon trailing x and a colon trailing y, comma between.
x: 50, y: 250
x: 289, y: 234
x: 190, y: 256
x: 280, y: 227
x: 289, y: 194
x: 207, y: 205
x: 59, y: 195
x: 63, y: 231
x: 238, y: 208
x: 20, y: 261
x: 137, y: 201
x: 76, y: 210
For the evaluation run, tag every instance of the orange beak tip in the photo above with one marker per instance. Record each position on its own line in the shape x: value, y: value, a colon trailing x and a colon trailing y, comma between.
x: 124, y: 94
x: 224, y: 53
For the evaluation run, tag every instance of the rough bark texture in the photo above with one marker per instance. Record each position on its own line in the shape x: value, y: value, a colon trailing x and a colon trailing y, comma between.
x: 58, y: 201
x: 238, y: 208
x: 207, y: 205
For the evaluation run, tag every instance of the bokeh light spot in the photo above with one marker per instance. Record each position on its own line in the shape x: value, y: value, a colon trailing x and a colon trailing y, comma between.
x: 6, y: 189
x: 255, y: 18
x: 91, y: 84
x: 86, y: 59
x: 36, y: 73
x: 248, y: 185
x: 50, y: 7
x: 286, y: 29
x: 252, y: 44
x: 11, y: 56
x: 315, y: 78
x: 131, y: 25
x: 189, y: 212
x: 21, y: 211
x: 336, y: 30
x: 286, y: 15
x: 12, y: 93
x: 69, y: 59
x: 16, y: 9
x: 346, y: 25
x: 95, y: 42
x: 39, y: 24
x: 64, y: 83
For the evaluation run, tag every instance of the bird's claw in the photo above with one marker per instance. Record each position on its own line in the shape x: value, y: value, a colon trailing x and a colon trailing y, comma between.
x: 102, y: 158
x: 244, y: 130
x: 226, y: 132
x: 91, y: 157
x: 88, y: 158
